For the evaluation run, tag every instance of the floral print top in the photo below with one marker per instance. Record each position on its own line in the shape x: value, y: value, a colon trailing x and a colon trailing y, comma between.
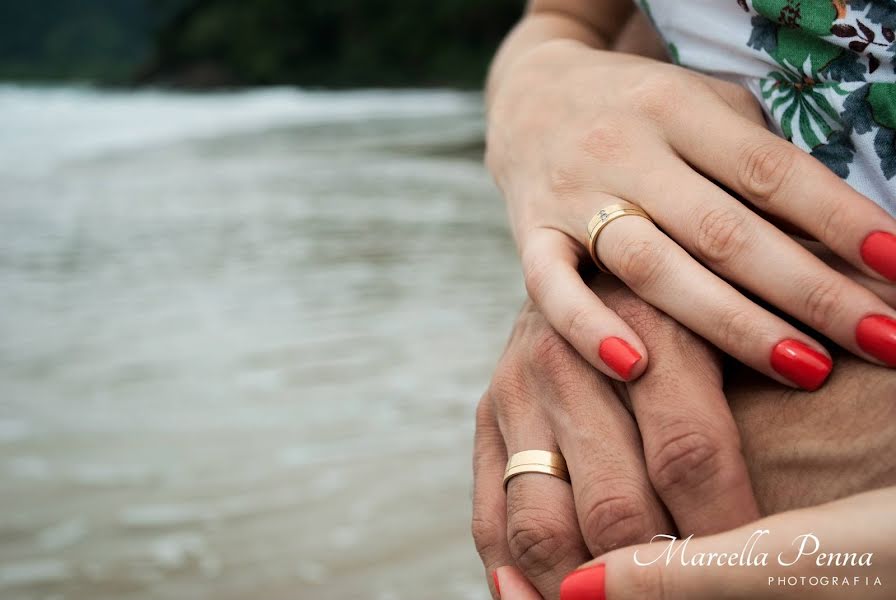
x: 824, y: 71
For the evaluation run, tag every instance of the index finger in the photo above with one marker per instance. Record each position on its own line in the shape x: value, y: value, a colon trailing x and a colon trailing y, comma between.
x: 550, y: 268
x: 782, y: 180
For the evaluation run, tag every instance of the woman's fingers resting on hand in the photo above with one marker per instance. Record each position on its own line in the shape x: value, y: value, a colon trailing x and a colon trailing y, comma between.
x: 665, y: 275
x: 740, y: 246
x: 551, y: 260
x: 573, y: 130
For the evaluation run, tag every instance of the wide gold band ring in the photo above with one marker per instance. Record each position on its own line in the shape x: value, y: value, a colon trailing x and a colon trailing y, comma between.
x: 536, y: 461
x: 604, y: 217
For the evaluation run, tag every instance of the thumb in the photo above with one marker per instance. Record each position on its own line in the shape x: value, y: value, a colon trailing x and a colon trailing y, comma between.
x: 511, y: 584
x: 832, y: 552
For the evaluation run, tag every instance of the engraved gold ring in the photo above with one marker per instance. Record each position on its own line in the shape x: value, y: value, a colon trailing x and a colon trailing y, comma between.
x: 604, y: 217
x: 536, y: 461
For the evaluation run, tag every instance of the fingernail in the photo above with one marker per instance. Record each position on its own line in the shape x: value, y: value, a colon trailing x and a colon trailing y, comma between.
x: 619, y: 356
x: 876, y: 335
x: 497, y: 583
x: 879, y: 253
x: 801, y: 364
x: 584, y: 584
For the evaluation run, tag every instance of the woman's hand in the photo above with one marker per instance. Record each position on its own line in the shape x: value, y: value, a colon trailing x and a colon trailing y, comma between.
x: 573, y: 129
x: 545, y: 396
x: 801, y: 551
x: 808, y: 553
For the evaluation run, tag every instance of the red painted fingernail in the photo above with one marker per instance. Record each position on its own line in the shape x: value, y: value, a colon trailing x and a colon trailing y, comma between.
x: 584, y: 584
x: 876, y: 335
x: 879, y: 253
x: 497, y: 583
x: 619, y: 355
x: 801, y: 364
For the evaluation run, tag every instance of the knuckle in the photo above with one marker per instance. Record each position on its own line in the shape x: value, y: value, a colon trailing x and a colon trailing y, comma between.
x: 658, y: 95
x: 576, y: 320
x: 685, y: 461
x: 615, y: 521
x: 736, y: 96
x: 538, y: 540
x: 823, y: 303
x: 834, y: 216
x: 721, y: 236
x: 509, y: 386
x: 487, y: 536
x: 764, y: 169
x: 639, y: 263
x: 735, y: 330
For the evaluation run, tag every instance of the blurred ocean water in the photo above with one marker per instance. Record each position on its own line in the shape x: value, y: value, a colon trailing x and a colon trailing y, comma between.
x: 242, y: 336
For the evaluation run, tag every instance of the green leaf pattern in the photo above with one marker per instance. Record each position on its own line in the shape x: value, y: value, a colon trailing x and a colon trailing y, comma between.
x: 825, y: 71
x: 835, y: 77
x: 801, y: 107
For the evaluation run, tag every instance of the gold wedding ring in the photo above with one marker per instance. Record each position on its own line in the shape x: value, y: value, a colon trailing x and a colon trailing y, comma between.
x: 536, y: 461
x: 603, y: 217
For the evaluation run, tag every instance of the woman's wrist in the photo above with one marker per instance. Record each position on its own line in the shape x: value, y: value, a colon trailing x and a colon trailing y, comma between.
x: 532, y: 34
x: 536, y: 64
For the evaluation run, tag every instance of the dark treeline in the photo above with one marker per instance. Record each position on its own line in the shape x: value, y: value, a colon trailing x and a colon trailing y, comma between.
x: 94, y: 40
x: 207, y: 43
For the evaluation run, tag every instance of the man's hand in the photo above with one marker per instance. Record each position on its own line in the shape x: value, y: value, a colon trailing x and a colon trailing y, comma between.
x: 545, y: 396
